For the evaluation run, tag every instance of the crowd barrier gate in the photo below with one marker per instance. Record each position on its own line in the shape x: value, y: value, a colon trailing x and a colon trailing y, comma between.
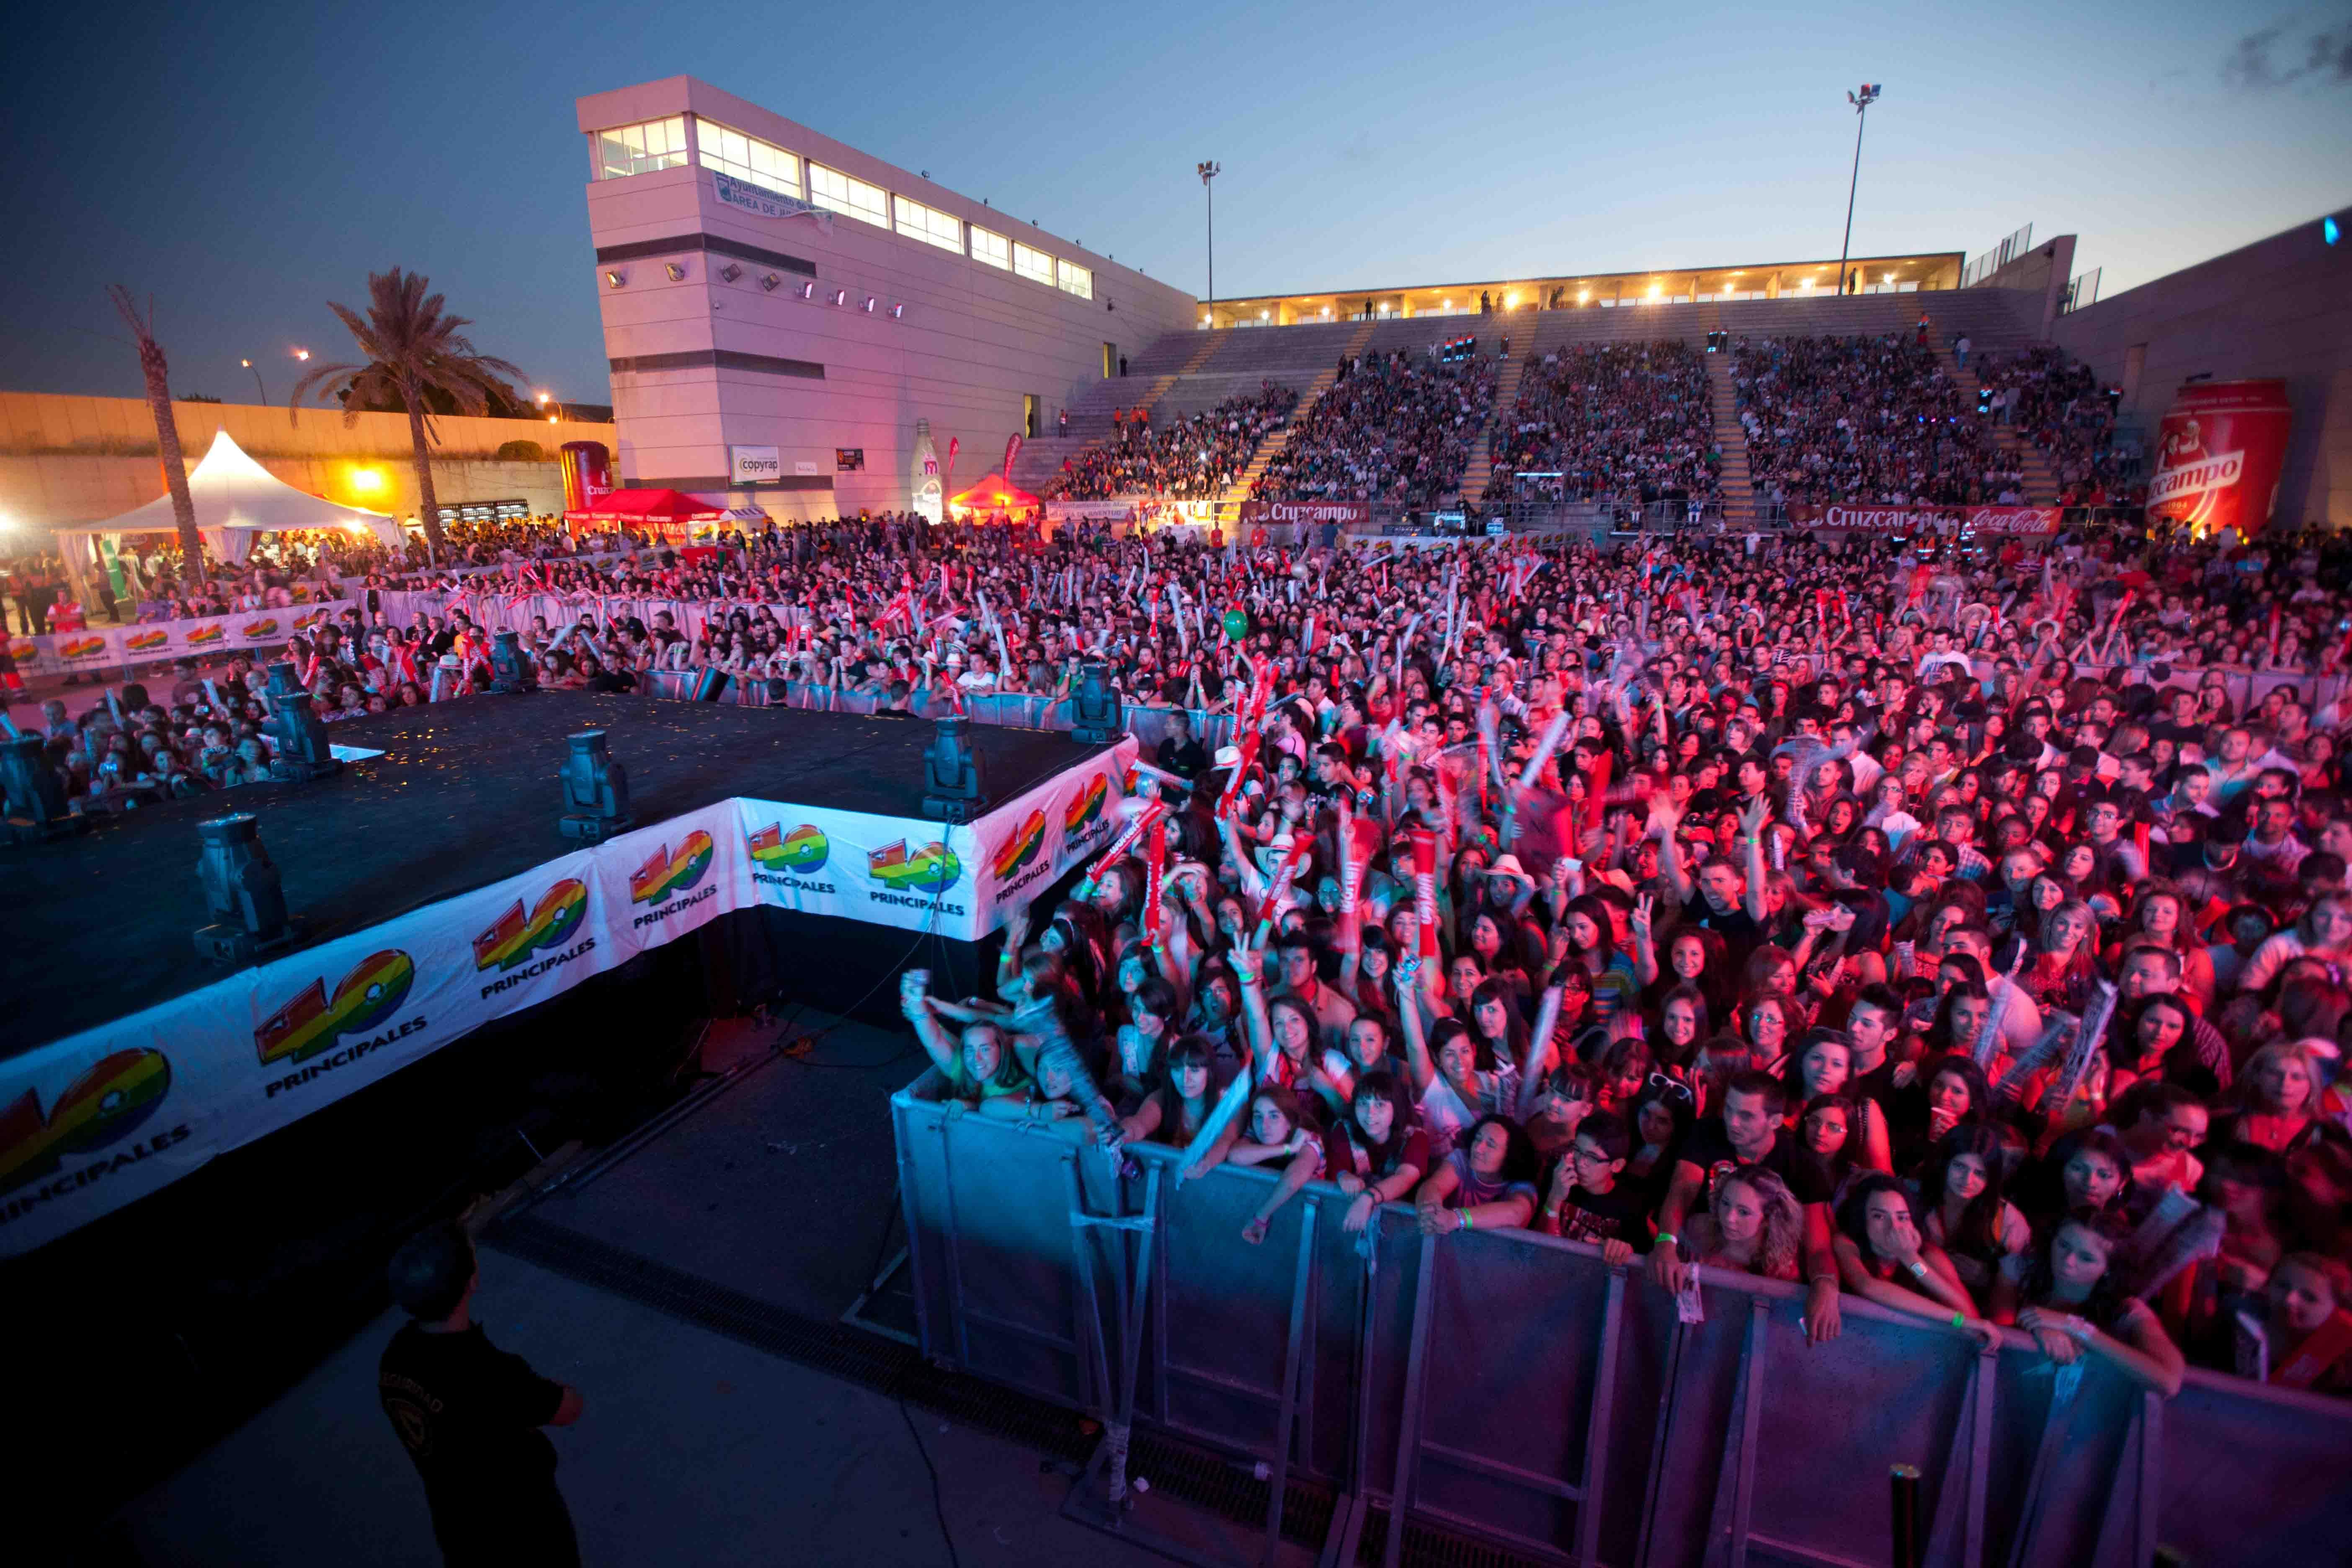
x: 1511, y: 1387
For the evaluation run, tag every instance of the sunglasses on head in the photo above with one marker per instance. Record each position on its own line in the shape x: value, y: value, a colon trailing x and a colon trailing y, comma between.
x: 1671, y: 1087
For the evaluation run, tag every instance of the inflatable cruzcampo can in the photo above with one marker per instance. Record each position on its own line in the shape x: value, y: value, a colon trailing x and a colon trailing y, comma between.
x: 2218, y: 455
x: 587, y: 470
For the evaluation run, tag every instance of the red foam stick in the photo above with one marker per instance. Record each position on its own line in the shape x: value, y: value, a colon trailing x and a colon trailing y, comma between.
x: 1155, y: 865
x: 1424, y: 889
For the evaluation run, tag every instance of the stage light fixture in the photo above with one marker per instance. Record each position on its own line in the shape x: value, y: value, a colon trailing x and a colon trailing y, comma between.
x: 242, y: 892
x: 841, y: 296
x: 614, y: 279
x: 595, y: 790
x: 730, y: 272
x: 510, y: 668
x: 1096, y: 713
x: 897, y: 312
x: 769, y: 281
x: 302, y: 753
x: 870, y: 302
x: 955, y: 787
x: 37, y: 808
x: 676, y: 272
x: 808, y: 290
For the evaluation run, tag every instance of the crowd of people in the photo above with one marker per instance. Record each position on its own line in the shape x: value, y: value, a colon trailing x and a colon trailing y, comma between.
x: 2058, y: 406
x: 1395, y: 428
x: 1195, y: 459
x: 1615, y: 422
x: 1873, y: 421
x: 1743, y: 912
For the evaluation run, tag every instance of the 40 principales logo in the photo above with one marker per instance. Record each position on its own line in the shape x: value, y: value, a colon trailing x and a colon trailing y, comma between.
x: 513, y: 945
x: 114, y: 1097
x: 665, y: 875
x: 1020, y: 850
x: 364, y: 1000
x: 802, y: 849
x: 1085, y: 807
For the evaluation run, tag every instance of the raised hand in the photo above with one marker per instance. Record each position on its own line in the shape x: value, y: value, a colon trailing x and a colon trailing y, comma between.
x: 1643, y: 907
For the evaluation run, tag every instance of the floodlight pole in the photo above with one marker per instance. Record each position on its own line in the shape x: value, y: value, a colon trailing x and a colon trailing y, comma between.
x: 256, y: 380
x: 1209, y: 172
x: 1862, y: 103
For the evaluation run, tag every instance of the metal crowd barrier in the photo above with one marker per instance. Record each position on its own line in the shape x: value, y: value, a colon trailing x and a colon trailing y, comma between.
x: 1510, y: 1387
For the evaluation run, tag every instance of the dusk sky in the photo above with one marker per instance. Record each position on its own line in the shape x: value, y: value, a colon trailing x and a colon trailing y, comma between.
x: 244, y: 166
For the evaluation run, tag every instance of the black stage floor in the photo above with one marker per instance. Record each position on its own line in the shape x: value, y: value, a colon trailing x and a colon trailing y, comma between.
x: 96, y: 927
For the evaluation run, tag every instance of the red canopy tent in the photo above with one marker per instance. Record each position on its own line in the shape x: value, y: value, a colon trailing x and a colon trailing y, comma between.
x: 994, y: 492
x: 668, y: 514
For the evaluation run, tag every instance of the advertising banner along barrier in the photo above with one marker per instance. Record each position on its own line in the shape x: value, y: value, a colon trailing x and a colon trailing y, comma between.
x: 1280, y: 513
x: 2026, y: 521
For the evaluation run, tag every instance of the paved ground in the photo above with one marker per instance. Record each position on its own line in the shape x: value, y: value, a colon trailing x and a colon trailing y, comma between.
x: 694, y: 1449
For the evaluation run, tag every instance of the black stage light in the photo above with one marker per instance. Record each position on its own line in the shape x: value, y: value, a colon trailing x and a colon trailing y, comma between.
x: 242, y: 892
x: 510, y: 668
x: 1095, y: 709
x: 35, y: 800
x: 302, y: 751
x: 954, y: 787
x: 595, y: 790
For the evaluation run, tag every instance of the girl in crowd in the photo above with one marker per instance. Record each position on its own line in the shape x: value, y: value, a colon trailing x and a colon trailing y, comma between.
x: 2065, y: 1292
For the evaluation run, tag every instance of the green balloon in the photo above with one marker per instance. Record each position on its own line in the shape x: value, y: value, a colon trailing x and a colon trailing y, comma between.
x: 1236, y: 625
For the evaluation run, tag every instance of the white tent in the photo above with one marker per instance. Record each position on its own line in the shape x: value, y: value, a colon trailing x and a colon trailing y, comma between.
x: 236, y: 497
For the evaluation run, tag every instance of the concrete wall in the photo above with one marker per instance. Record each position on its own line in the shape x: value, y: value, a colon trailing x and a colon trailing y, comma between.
x: 70, y: 459
x: 2279, y: 309
x: 2040, y: 276
x: 52, y: 490
x: 973, y: 339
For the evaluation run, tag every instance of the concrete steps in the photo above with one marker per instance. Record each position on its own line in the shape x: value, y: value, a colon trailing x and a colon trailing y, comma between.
x: 1481, y: 467
x: 1273, y: 446
x: 1736, y: 477
x: 2040, y: 483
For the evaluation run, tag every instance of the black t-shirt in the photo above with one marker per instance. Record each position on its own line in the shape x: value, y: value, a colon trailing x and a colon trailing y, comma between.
x: 1621, y: 1214
x: 1741, y: 935
x: 469, y: 1415
x: 1187, y: 762
x: 1710, y: 1148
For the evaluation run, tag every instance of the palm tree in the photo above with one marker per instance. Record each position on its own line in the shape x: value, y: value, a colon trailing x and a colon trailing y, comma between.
x: 167, y: 428
x: 413, y: 351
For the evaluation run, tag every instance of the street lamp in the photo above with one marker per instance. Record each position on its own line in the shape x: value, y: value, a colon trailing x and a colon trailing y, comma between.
x: 1209, y: 172
x: 257, y: 378
x: 1861, y: 100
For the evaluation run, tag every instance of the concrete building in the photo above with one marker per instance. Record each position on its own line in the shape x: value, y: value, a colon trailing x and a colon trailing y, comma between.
x: 780, y: 311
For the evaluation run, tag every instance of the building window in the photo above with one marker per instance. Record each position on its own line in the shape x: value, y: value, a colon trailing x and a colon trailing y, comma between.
x: 1034, y: 264
x: 990, y: 248
x: 832, y: 189
x: 641, y: 149
x: 1076, y: 279
x: 748, y: 158
x: 928, y: 224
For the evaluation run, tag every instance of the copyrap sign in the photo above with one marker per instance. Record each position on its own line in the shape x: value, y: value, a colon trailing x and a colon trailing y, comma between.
x: 753, y: 465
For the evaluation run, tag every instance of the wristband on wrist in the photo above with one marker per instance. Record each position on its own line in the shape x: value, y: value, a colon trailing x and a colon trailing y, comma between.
x: 1959, y: 1321
x: 1918, y: 1269
x: 1666, y: 1236
x: 1467, y: 1223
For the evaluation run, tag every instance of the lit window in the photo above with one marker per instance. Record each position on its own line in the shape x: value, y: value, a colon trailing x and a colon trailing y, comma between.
x: 641, y: 149
x: 832, y: 189
x: 1076, y: 279
x: 1034, y: 264
x: 993, y: 248
x: 748, y: 158
x: 928, y: 224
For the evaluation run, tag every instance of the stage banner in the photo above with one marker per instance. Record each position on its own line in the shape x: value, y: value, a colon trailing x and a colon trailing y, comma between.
x: 1031, y: 840
x: 884, y: 870
x: 659, y: 883
x: 2024, y: 520
x: 1314, y: 513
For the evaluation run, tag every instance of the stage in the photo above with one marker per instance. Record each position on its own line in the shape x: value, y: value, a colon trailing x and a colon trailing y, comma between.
x: 433, y: 893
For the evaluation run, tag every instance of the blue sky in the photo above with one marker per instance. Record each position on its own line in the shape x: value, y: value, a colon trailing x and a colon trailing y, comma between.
x: 246, y: 166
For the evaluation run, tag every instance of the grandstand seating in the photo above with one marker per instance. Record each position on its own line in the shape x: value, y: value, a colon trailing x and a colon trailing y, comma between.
x: 1183, y: 373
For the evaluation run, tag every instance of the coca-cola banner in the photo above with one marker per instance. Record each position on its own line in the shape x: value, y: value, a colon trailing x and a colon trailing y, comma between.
x: 1279, y: 513
x: 2218, y: 455
x: 2007, y: 520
